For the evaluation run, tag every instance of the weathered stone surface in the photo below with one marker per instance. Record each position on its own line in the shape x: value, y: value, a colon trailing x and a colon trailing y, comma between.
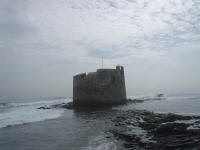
x: 103, y: 87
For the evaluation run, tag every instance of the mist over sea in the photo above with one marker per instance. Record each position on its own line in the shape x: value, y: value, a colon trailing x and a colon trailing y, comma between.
x: 24, y: 127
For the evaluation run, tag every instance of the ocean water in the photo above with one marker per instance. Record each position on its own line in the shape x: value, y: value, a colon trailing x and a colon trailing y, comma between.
x: 24, y: 127
x: 184, y: 104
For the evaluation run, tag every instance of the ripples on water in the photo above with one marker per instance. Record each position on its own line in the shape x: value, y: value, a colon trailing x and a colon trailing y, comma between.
x: 69, y: 129
x: 180, y: 104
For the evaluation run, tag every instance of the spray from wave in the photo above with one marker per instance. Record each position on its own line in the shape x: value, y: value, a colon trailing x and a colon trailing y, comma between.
x: 22, y: 113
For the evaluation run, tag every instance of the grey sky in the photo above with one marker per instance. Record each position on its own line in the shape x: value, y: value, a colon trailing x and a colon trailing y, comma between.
x: 44, y: 43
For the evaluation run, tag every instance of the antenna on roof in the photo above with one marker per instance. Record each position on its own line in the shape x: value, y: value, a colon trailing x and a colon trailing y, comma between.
x: 102, y: 62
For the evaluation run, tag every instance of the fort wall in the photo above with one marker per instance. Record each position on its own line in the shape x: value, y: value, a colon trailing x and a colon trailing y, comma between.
x: 105, y: 86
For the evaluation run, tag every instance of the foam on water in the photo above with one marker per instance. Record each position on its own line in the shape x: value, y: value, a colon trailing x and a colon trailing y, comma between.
x: 43, y: 102
x: 103, y: 146
x: 107, y: 146
x: 22, y: 113
x: 100, y: 142
x: 143, y: 97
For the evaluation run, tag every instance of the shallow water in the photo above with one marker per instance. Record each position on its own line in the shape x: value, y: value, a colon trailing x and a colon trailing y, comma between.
x: 180, y: 104
x: 24, y: 127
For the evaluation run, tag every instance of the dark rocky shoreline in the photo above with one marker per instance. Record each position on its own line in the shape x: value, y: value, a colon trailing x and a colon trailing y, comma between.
x: 151, y: 131
x: 145, y: 130
x: 68, y: 105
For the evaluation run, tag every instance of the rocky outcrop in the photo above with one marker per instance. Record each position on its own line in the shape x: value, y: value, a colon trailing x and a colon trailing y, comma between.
x: 140, y: 129
x: 151, y: 131
x: 68, y: 105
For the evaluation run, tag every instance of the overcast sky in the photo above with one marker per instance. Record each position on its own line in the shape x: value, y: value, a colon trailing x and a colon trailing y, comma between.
x: 43, y: 43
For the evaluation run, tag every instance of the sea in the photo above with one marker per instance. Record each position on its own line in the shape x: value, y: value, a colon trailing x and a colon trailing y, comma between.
x: 25, y: 127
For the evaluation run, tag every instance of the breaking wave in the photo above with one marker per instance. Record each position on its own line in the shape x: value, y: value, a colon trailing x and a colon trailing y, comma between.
x: 21, y: 113
x: 44, y: 102
x: 107, y: 146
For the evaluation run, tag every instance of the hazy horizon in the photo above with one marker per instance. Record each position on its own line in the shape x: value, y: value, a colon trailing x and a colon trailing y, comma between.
x: 44, y: 43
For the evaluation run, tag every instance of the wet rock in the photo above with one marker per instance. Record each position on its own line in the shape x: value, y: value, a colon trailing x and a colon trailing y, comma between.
x: 44, y: 107
x: 62, y: 105
x: 125, y: 136
x: 171, y: 129
x: 163, y: 131
x: 160, y: 95
x: 128, y: 101
x: 68, y: 105
x: 173, y: 117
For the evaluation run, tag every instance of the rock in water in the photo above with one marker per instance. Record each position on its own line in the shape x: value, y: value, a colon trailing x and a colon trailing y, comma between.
x: 68, y: 105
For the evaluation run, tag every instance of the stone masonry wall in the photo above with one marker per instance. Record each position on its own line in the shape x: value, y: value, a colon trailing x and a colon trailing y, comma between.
x: 106, y: 87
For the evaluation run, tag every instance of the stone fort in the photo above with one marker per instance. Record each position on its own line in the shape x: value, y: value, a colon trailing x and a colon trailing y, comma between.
x: 103, y: 87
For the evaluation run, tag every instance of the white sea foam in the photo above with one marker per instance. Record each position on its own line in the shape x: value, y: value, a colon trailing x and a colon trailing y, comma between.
x: 43, y: 102
x: 100, y: 142
x: 102, y: 146
x: 107, y: 146
x: 22, y: 113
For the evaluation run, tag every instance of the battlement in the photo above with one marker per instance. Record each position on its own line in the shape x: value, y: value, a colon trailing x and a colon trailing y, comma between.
x: 81, y: 75
x: 106, y: 70
x: 99, y: 71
